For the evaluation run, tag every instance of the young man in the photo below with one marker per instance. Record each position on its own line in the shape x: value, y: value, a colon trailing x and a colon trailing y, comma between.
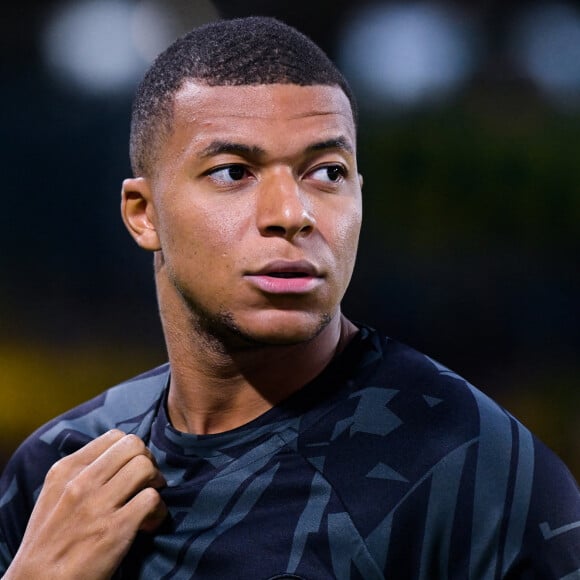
x: 281, y: 440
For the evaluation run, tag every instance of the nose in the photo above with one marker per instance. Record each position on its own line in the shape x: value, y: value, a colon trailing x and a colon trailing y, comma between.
x: 283, y: 209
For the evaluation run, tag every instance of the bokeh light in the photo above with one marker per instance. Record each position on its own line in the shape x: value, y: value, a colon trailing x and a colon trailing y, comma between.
x: 103, y: 47
x: 470, y: 244
x: 546, y: 48
x: 407, y: 54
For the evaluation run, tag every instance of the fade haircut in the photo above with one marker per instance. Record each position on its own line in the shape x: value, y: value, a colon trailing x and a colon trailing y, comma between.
x: 244, y: 51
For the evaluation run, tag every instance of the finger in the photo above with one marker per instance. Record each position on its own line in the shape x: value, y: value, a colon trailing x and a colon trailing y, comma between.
x: 113, y: 459
x: 146, y: 511
x: 135, y: 475
x: 98, y: 446
x: 70, y: 466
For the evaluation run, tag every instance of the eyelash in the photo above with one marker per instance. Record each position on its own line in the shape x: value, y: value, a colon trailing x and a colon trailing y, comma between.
x: 342, y: 172
x: 212, y: 173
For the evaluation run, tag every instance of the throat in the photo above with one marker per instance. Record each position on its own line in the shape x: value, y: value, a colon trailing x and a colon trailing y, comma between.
x: 226, y: 410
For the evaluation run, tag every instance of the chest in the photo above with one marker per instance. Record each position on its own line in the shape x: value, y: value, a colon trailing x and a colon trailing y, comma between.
x: 274, y: 517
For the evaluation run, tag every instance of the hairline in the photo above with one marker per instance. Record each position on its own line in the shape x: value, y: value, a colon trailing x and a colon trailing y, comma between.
x: 162, y: 124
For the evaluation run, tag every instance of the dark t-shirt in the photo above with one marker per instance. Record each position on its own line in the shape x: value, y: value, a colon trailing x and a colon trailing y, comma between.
x: 387, y: 465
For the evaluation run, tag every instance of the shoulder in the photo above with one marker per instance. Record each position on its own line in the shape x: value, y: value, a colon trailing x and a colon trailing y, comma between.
x: 406, y: 415
x: 429, y: 447
x: 439, y: 411
x: 430, y: 400
x: 129, y: 406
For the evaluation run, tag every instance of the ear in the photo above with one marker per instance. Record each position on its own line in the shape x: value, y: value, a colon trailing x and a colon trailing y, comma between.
x: 360, y: 180
x: 139, y: 214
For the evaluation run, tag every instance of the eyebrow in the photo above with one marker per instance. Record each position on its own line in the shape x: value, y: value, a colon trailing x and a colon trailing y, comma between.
x: 334, y: 143
x: 221, y: 147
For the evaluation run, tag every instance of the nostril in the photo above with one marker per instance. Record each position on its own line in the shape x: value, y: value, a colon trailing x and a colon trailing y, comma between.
x: 288, y: 232
x: 276, y: 230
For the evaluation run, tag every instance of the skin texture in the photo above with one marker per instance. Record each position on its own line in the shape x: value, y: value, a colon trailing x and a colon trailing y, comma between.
x: 253, y: 212
x: 249, y: 176
x: 89, y: 510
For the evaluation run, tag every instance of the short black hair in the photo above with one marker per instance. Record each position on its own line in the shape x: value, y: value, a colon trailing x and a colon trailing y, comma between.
x: 243, y: 51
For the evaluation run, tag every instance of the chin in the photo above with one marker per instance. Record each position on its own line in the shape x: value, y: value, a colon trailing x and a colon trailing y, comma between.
x: 259, y: 327
x: 284, y: 328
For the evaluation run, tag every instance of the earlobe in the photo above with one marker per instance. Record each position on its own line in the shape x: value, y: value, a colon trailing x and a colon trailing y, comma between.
x: 138, y: 213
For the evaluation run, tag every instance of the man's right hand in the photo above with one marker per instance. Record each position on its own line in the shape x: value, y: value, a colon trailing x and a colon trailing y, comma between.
x: 89, y: 511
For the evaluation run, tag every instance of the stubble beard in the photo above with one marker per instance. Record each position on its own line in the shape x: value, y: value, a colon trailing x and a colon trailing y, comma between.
x: 221, y: 333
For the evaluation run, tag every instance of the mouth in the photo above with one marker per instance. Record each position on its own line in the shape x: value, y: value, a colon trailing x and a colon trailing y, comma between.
x: 288, y: 269
x: 287, y: 274
x: 284, y: 277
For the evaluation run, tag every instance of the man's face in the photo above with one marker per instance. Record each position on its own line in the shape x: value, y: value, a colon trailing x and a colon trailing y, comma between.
x: 254, y: 206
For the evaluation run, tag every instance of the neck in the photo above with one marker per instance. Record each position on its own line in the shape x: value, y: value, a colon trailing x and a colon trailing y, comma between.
x: 217, y: 389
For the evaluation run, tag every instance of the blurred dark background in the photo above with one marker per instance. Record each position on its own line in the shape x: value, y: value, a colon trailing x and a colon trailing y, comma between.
x: 470, y: 149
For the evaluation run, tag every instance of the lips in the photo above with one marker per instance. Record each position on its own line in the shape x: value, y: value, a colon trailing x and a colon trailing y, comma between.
x: 288, y: 269
x: 286, y: 277
x: 287, y: 274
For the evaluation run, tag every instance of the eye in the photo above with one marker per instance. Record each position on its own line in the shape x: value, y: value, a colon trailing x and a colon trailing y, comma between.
x: 329, y: 173
x: 229, y: 173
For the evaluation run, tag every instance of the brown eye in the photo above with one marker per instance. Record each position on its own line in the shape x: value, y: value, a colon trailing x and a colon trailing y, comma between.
x: 229, y: 173
x: 236, y: 172
x: 334, y: 172
x: 329, y: 173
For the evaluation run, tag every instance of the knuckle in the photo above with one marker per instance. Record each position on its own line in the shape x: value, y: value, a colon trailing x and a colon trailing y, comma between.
x: 143, y: 464
x: 114, y: 434
x: 57, y: 470
x: 74, y: 490
x: 53, y: 472
x: 146, y: 510
x: 150, y: 498
x: 134, y: 443
x: 148, y: 470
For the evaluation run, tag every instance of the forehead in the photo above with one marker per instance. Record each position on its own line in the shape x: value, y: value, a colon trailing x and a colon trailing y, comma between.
x: 267, y: 115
